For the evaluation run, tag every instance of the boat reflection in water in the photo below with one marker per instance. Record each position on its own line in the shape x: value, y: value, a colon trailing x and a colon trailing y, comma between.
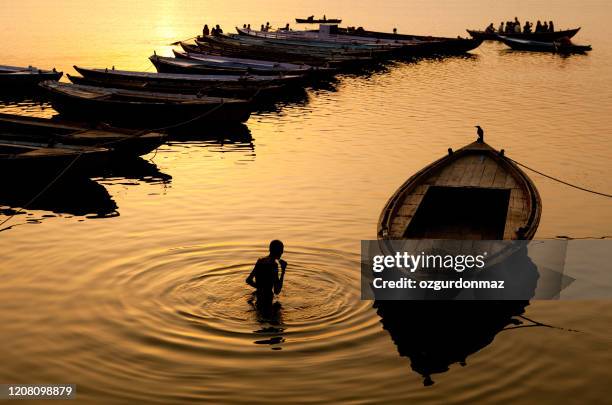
x: 71, y: 195
x: 135, y: 168
x: 438, y: 334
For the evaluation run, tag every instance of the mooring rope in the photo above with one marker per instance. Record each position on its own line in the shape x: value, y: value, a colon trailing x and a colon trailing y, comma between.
x: 20, y: 210
x: 559, y: 180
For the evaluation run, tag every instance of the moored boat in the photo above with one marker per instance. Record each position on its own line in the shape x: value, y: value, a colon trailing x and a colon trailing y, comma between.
x: 254, y: 66
x: 41, y: 159
x: 52, y: 131
x: 473, y: 193
x: 14, y: 77
x: 186, y: 83
x: 561, y: 46
x: 143, y: 108
x: 194, y: 66
x: 533, y: 36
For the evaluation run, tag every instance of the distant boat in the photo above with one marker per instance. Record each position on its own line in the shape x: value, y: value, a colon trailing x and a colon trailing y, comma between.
x: 537, y: 46
x: 312, y: 20
x: 534, y: 36
x: 143, y: 108
x: 53, y: 131
x: 473, y: 193
x: 14, y: 77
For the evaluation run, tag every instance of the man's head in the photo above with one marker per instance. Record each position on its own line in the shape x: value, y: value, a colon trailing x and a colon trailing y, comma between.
x: 276, y: 249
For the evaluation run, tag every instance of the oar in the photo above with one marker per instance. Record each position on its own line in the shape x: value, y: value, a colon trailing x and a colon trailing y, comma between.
x: 184, y: 40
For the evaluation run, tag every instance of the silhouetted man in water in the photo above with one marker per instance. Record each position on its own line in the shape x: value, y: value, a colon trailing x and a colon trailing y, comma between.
x: 264, y: 276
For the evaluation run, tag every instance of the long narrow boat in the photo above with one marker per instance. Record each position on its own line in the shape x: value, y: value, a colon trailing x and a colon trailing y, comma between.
x: 286, y: 51
x: 219, y: 85
x: 14, y: 77
x: 254, y: 66
x: 121, y: 141
x: 399, y: 45
x: 41, y: 159
x: 191, y: 66
x: 312, y: 20
x: 537, y: 46
x: 143, y: 108
x: 533, y: 36
x: 473, y: 193
x: 418, y: 45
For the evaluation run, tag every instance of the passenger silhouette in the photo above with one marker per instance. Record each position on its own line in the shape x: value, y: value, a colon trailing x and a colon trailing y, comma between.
x: 265, y: 275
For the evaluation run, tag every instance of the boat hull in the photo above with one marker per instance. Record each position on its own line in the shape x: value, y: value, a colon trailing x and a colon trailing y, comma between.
x: 121, y: 141
x: 534, y: 36
x: 147, y: 114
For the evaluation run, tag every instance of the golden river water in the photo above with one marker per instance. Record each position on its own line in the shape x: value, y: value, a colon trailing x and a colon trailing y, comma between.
x: 132, y: 285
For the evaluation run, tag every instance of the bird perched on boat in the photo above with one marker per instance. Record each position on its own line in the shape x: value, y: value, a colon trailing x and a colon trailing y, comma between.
x: 480, y: 133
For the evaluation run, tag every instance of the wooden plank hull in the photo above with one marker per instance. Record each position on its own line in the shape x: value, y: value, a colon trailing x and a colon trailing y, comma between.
x: 41, y: 160
x: 143, y: 109
x: 122, y: 142
x: 479, y: 181
x: 422, y: 45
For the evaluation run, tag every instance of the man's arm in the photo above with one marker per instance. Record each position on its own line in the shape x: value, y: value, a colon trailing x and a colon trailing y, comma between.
x: 250, y: 279
x: 278, y: 285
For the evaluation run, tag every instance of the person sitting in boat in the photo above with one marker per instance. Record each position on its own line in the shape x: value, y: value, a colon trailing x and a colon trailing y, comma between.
x: 265, y: 275
x: 509, y: 27
x: 545, y: 27
x: 268, y: 26
x: 394, y: 31
x: 527, y: 27
x: 551, y: 26
x: 249, y: 27
x: 213, y: 32
x: 517, y: 28
x: 517, y: 23
x: 286, y: 27
x: 538, y: 27
x: 205, y: 31
x: 218, y: 29
x: 490, y: 29
x: 262, y: 28
x: 501, y: 27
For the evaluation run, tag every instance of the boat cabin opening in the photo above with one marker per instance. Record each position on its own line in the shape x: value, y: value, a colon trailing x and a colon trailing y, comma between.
x: 473, y: 213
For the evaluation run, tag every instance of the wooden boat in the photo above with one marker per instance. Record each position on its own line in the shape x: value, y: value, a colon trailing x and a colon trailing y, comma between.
x: 216, y: 85
x: 397, y: 44
x: 254, y: 66
x: 289, y: 51
x: 41, y: 159
x: 312, y: 20
x: 14, y: 77
x: 53, y: 131
x: 417, y: 45
x: 474, y: 193
x: 537, y: 46
x: 533, y: 36
x: 143, y: 108
x: 186, y: 66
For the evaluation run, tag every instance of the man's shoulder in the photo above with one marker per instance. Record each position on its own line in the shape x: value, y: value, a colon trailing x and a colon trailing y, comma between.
x: 265, y: 260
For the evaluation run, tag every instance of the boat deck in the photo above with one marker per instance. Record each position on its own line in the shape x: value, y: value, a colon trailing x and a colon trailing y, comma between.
x: 471, y: 174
